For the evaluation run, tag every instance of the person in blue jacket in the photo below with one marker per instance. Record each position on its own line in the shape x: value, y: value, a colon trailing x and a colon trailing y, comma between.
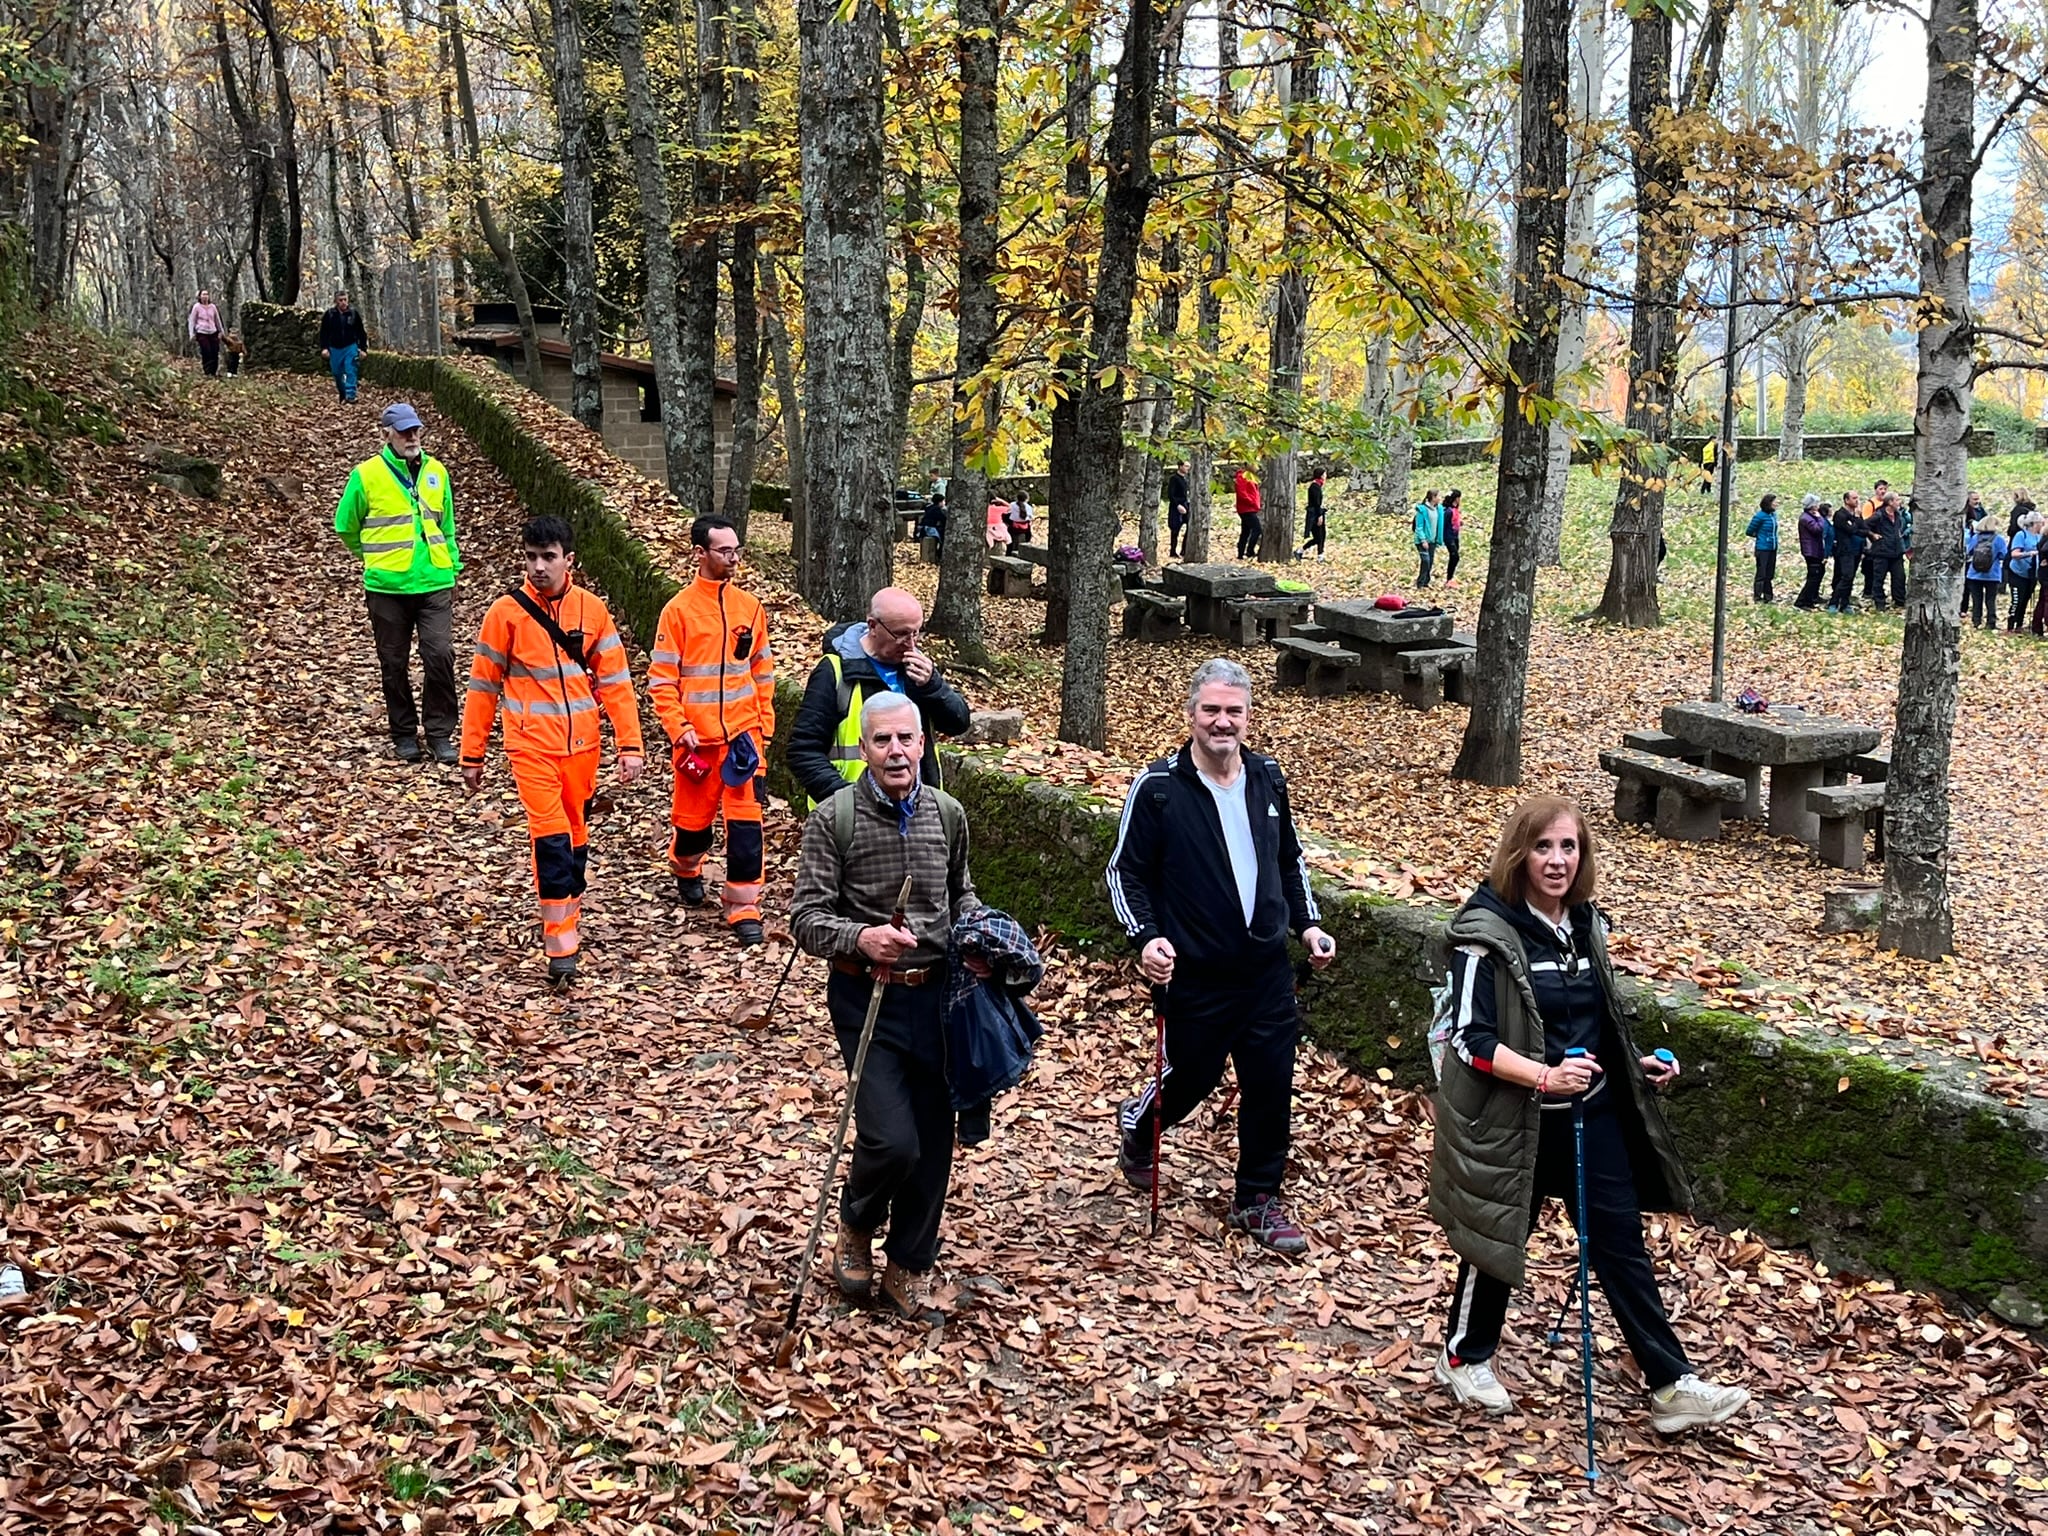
x: 1763, y: 528
x: 1983, y: 574
x: 1429, y: 536
x: 2023, y: 566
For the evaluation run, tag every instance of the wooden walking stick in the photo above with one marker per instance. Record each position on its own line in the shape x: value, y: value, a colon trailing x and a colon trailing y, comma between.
x: 787, y: 1345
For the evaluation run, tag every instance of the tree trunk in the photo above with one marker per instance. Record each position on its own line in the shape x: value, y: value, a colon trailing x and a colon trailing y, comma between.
x: 1492, y: 749
x: 846, y: 305
x: 1589, y: 72
x: 499, y: 240
x: 790, y: 407
x: 743, y: 54
x: 1194, y: 543
x: 1288, y: 349
x: 579, y: 242
x: 1397, y: 490
x: 903, y: 340
x: 284, y: 277
x: 1070, y: 364
x: 264, y: 214
x: 664, y: 334
x: 697, y: 269
x: 1795, y: 350
x: 1918, y: 918
x: 1127, y: 193
x: 956, y: 612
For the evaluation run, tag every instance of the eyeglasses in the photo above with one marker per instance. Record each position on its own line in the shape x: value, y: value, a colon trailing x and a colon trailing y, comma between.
x: 893, y: 632
x: 729, y: 551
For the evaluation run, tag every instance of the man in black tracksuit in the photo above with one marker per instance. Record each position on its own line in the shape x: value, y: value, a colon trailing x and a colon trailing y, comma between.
x: 1208, y: 878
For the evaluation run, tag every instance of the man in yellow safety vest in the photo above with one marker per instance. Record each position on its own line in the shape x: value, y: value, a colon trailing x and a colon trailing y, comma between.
x: 397, y: 515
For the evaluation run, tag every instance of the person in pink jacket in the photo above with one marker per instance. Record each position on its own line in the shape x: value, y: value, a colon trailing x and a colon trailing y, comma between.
x: 203, y: 326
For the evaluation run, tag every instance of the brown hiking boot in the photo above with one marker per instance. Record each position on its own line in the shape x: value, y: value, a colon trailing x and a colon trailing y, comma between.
x: 853, y: 1261
x: 908, y: 1293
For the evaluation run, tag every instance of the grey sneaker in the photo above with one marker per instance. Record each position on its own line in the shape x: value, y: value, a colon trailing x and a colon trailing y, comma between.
x: 13, y: 1289
x: 1690, y: 1403
x: 1474, y: 1383
x: 1265, y: 1221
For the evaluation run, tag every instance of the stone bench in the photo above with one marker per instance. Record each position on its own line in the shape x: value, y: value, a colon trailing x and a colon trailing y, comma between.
x: 1009, y: 577
x: 1429, y: 674
x: 1684, y: 800
x: 1248, y: 620
x: 1037, y: 554
x: 1153, y: 615
x: 1312, y: 632
x: 1312, y: 664
x: 1845, y: 812
x: 928, y: 551
x: 1661, y: 744
x: 1874, y: 766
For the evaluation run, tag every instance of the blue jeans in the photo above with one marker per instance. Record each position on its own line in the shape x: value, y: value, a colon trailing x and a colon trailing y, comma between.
x: 342, y: 360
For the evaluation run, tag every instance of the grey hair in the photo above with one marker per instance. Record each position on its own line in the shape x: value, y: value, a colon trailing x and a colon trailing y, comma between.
x: 1812, y: 500
x: 885, y: 703
x: 1219, y: 669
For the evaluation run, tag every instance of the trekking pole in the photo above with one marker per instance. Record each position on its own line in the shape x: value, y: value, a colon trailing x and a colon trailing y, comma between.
x: 1158, y: 1093
x: 786, y: 1346
x: 776, y: 996
x: 1571, y: 1295
x: 1585, y: 1295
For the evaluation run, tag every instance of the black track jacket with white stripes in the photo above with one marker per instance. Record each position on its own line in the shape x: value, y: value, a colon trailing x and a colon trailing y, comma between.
x: 1170, y: 873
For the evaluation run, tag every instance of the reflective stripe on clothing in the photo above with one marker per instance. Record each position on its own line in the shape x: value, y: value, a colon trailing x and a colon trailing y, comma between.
x: 550, y: 704
x: 401, y: 522
x: 711, y: 669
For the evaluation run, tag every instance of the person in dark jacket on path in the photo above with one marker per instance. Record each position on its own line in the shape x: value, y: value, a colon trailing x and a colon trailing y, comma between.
x: 1530, y: 983
x: 1176, y: 508
x: 1763, y: 528
x: 342, y: 341
x: 1454, y: 534
x: 860, y: 661
x: 1814, y: 536
x: 1887, y: 558
x: 1208, y: 879
x: 1850, y: 535
x: 1315, y: 530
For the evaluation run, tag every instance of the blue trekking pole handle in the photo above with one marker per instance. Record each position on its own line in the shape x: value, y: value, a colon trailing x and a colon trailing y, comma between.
x: 1585, y: 1293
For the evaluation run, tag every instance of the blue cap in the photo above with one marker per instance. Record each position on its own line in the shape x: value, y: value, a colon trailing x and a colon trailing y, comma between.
x: 401, y: 417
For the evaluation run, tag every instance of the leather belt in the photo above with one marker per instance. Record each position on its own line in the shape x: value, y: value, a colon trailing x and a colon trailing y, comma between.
x: 914, y: 976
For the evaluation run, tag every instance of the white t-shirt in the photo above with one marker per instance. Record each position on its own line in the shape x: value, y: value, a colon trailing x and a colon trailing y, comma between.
x: 1237, y: 839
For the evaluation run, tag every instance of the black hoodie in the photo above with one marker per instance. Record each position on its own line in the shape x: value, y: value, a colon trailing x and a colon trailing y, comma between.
x: 1561, y: 974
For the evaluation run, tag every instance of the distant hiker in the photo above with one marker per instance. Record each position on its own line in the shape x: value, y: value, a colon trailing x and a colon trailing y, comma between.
x: 1850, y: 535
x: 1209, y: 881
x: 397, y: 515
x: 551, y: 652
x: 711, y: 679
x: 1244, y: 491
x: 1454, y: 534
x: 1017, y: 520
x: 857, y: 848
x: 203, y: 325
x: 231, y: 350
x: 998, y: 524
x: 1429, y: 535
x: 1887, y: 558
x: 862, y: 661
x: 1176, y: 508
x: 1872, y: 510
x: 2023, y: 566
x: 1709, y: 455
x: 342, y: 342
x: 1984, y: 552
x: 1763, y: 531
x: 1816, y: 536
x: 1530, y: 983
x: 1314, y: 529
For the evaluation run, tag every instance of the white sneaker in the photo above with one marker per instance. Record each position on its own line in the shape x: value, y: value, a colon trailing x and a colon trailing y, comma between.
x: 1474, y: 1383
x: 1690, y: 1403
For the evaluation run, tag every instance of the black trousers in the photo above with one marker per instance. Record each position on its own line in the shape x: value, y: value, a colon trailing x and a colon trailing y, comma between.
x: 1248, y: 530
x: 1888, y: 573
x: 1764, y: 588
x: 1844, y: 593
x: 396, y: 618
x: 1176, y: 525
x: 209, y: 353
x: 1809, y: 594
x: 1479, y: 1303
x: 1255, y: 1026
x: 1316, y: 532
x: 1452, y: 541
x: 903, y: 1116
x: 1980, y: 600
x: 2022, y: 593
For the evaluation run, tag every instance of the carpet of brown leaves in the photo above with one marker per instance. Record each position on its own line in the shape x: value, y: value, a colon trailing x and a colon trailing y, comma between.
x: 335, y: 1220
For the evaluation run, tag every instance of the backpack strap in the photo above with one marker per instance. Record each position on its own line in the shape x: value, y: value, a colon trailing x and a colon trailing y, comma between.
x: 545, y: 620
x: 842, y: 689
x: 842, y: 821
x: 952, y: 819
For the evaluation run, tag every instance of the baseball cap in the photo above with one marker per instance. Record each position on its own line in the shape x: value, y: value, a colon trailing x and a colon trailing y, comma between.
x: 401, y: 417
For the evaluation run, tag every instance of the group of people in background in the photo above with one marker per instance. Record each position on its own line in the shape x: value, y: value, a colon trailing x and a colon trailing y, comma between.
x: 1439, y: 525
x: 1873, y: 535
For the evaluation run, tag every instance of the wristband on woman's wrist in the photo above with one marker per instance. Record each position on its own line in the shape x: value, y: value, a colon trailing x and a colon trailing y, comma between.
x: 1543, y: 1082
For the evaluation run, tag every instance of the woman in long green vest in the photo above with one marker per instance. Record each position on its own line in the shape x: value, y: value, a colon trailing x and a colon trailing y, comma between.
x: 1531, y: 983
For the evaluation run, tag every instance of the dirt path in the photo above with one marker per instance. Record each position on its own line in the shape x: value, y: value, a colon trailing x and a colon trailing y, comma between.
x: 356, y: 1224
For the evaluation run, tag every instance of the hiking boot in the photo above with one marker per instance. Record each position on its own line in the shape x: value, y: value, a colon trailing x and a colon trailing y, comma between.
x: 853, y: 1261
x: 443, y: 750
x: 690, y: 890
x: 1474, y: 1383
x: 1690, y: 1403
x: 407, y: 748
x: 908, y: 1294
x: 748, y: 931
x: 1265, y: 1221
x: 561, y: 970
x: 1134, y: 1147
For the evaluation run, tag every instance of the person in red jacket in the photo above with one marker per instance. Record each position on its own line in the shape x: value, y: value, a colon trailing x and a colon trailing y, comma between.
x: 712, y: 681
x: 1246, y: 490
x: 551, y: 654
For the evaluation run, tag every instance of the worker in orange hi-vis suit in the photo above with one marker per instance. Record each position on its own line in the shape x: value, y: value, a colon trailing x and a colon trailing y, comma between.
x: 712, y: 682
x: 551, y: 655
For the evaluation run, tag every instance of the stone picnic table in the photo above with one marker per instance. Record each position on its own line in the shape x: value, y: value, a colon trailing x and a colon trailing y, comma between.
x: 1802, y: 751
x: 1379, y: 636
x: 1208, y: 587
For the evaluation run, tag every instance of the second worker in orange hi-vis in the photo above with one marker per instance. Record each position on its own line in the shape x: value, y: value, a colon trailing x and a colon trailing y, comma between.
x: 712, y: 682
x: 550, y: 655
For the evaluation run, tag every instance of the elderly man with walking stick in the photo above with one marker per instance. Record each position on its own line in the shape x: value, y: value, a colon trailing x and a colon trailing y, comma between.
x: 1208, y: 878
x: 888, y: 984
